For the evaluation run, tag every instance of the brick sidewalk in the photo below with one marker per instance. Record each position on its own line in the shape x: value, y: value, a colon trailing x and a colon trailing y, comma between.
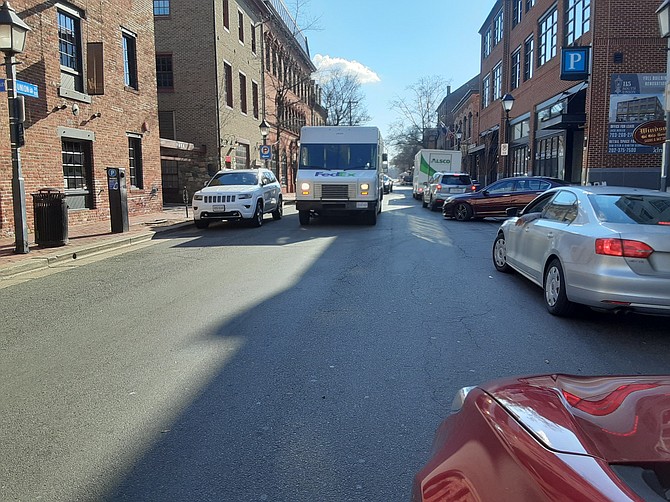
x: 89, y: 238
x: 95, y: 237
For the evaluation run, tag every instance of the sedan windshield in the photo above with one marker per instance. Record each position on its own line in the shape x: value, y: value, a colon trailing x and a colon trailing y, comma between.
x: 637, y: 209
x: 229, y: 179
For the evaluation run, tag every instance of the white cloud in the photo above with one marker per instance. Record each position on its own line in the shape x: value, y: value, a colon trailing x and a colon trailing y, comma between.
x: 324, y: 64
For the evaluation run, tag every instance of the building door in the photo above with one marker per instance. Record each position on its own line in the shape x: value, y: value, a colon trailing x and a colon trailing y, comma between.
x: 170, y: 178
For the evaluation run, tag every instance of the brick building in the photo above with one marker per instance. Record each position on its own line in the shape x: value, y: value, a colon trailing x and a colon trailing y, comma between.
x: 574, y: 130
x: 215, y: 87
x: 96, y: 107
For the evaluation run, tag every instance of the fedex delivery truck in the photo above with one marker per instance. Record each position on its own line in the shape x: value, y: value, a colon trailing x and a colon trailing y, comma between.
x: 340, y: 172
x: 427, y: 162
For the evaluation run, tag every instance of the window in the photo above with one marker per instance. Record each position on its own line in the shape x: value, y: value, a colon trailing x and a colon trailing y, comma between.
x: 517, y: 8
x: 243, y: 93
x: 77, y: 173
x: 549, y: 157
x: 240, y: 29
x: 226, y: 15
x: 528, y: 58
x: 486, y: 91
x: 69, y: 46
x: 161, y: 7
x: 562, y: 208
x: 166, y: 124
x: 252, y: 30
x: 529, y: 4
x: 497, y: 81
x: 578, y: 16
x: 135, y: 161
x: 515, y: 69
x: 486, y: 43
x: 129, y: 60
x: 228, y: 83
x: 164, y: 76
x: 254, y: 98
x: 498, y: 28
x: 548, y: 30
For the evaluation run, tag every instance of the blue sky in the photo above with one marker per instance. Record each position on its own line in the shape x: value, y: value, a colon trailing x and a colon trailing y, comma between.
x: 398, y: 42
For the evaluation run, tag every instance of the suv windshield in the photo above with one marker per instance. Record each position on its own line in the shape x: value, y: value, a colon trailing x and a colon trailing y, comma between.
x: 456, y: 179
x: 228, y: 179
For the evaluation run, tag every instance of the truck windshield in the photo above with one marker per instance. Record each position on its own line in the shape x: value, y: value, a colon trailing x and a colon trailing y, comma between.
x: 345, y: 157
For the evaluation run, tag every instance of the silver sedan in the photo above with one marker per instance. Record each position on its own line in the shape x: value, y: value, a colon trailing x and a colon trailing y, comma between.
x: 601, y: 246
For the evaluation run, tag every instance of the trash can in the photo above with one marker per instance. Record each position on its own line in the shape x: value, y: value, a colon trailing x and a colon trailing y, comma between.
x: 50, y: 212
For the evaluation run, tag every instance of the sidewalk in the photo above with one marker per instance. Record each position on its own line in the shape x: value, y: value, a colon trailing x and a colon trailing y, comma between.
x: 95, y: 237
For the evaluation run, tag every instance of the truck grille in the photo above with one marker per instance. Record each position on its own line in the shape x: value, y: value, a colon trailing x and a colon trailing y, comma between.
x: 334, y: 192
x: 213, y: 199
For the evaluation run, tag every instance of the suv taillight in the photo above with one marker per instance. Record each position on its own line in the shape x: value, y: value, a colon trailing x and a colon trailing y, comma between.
x: 623, y: 247
x: 438, y: 187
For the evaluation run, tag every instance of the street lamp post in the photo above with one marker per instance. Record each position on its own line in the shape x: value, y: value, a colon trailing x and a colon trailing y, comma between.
x: 663, y: 13
x: 265, y: 129
x: 507, y: 103
x: 12, y: 41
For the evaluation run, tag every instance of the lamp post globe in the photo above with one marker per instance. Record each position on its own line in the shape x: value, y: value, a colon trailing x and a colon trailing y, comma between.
x: 507, y: 102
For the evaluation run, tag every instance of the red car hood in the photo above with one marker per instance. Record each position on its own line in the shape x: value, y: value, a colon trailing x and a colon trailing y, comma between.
x: 620, y: 419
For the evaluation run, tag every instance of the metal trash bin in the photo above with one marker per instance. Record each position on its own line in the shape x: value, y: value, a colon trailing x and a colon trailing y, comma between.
x: 50, y: 214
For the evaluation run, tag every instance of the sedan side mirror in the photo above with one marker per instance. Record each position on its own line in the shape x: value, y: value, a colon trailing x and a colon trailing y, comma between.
x: 512, y: 211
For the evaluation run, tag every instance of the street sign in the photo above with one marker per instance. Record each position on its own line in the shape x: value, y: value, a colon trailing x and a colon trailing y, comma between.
x: 266, y: 152
x: 575, y: 63
x: 25, y: 88
x: 504, y: 149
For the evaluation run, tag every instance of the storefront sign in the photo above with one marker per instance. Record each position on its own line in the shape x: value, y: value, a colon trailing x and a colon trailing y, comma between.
x: 650, y: 133
x: 636, y: 99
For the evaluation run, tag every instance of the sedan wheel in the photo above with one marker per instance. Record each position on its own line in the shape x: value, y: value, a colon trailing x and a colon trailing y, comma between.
x: 555, y: 299
x: 500, y: 254
x: 462, y: 212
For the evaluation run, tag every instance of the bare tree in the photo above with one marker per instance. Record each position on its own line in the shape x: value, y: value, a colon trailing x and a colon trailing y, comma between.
x: 342, y: 97
x: 416, y: 111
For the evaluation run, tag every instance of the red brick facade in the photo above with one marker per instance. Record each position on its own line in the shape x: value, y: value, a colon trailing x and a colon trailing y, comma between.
x: 559, y: 127
x: 100, y: 124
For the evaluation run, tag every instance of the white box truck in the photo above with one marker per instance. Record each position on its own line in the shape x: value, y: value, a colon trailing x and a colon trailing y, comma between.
x: 340, y: 172
x: 427, y: 162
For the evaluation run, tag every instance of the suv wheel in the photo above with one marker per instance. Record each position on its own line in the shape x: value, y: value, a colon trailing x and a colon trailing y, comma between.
x: 277, y: 213
x: 257, y: 218
x: 201, y: 223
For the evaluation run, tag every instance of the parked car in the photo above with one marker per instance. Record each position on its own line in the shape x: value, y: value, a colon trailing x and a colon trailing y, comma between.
x: 442, y: 185
x: 553, y: 438
x: 496, y: 198
x: 406, y: 179
x: 388, y: 184
x: 604, y: 247
x: 238, y: 194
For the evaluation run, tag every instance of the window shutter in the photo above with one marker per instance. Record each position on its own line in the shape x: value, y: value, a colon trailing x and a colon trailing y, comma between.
x: 95, y: 80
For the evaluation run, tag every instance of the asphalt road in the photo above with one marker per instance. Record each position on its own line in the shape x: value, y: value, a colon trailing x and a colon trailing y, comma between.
x: 284, y: 363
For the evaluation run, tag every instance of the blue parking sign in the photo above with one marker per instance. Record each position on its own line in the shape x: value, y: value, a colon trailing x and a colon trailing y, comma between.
x: 575, y: 63
x: 266, y: 152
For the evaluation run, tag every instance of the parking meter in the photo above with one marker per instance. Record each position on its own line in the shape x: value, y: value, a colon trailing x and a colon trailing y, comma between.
x: 118, y: 199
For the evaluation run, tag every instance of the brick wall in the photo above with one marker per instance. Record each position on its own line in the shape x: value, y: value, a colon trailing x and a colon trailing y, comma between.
x: 121, y: 110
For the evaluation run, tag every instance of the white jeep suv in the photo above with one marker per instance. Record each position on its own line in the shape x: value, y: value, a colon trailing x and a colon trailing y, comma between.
x: 238, y: 194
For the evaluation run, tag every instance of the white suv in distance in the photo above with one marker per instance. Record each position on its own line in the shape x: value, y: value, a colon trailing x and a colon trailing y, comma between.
x: 238, y: 194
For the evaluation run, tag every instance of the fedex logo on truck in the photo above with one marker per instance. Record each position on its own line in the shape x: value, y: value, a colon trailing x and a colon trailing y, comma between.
x: 337, y: 174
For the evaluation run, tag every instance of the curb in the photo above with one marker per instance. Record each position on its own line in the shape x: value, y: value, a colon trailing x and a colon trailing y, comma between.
x: 61, y: 255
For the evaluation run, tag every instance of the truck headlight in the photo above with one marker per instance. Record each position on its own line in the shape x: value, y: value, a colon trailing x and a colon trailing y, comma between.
x: 365, y: 186
x: 197, y: 196
x: 244, y: 196
x: 305, y: 188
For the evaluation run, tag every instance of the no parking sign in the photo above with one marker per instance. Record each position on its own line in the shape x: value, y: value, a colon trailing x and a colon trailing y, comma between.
x: 266, y: 152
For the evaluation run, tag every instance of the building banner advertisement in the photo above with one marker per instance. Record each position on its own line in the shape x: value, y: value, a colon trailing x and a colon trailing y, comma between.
x: 636, y: 107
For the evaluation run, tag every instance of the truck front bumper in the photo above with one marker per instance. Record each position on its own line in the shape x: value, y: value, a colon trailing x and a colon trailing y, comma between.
x: 335, y: 205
